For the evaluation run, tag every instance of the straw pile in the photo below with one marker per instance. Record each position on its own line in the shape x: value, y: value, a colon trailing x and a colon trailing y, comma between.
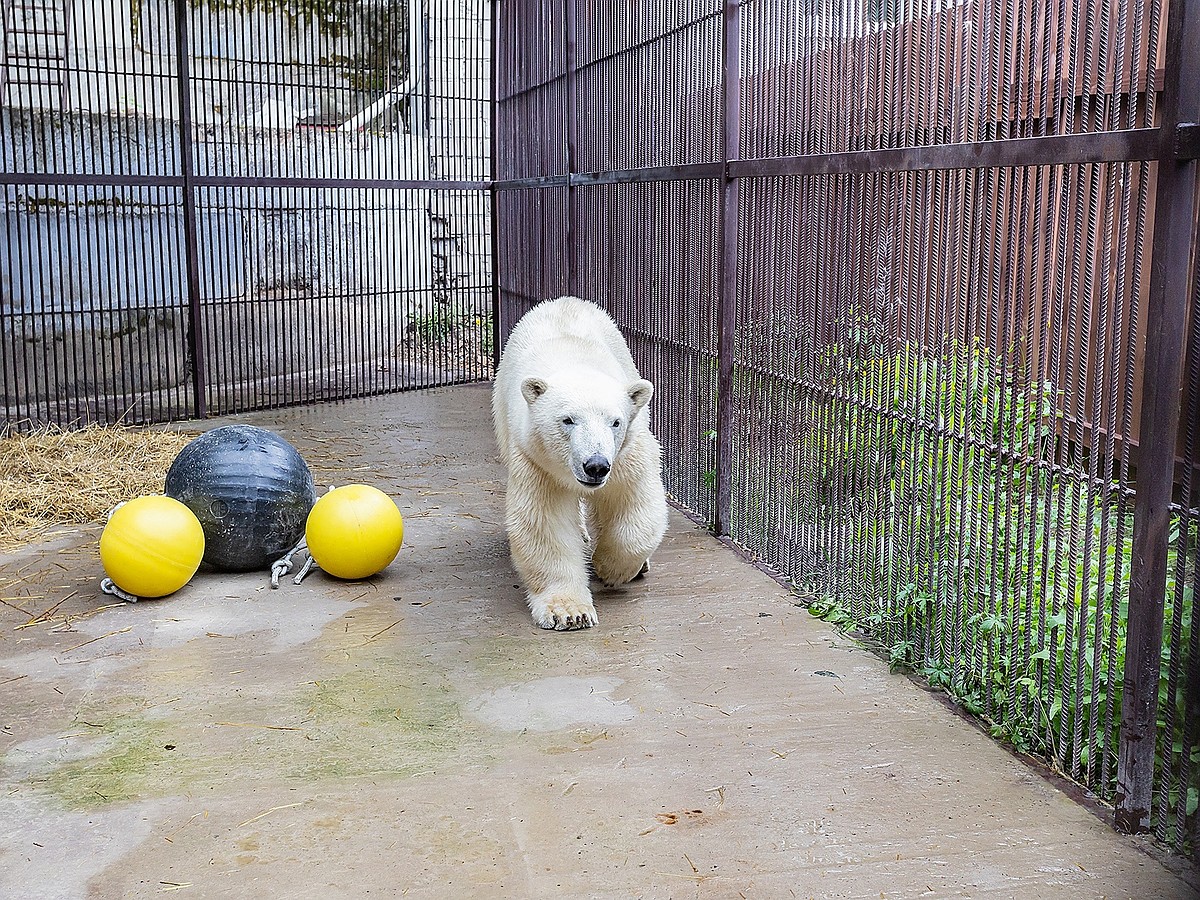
x: 53, y: 477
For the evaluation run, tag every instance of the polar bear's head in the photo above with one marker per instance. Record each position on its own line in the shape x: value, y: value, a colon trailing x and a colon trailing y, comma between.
x: 582, y: 423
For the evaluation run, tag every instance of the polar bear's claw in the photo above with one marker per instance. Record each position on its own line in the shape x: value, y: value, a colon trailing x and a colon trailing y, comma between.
x: 563, y: 614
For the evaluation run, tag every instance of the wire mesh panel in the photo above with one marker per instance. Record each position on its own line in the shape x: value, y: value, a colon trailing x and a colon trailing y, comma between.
x: 637, y: 68
x: 531, y: 260
x: 531, y: 86
x: 310, y: 217
x: 829, y: 76
x: 329, y: 299
x: 93, y: 302
x: 588, y: 87
x: 943, y: 365
x: 947, y: 429
x: 1178, y: 813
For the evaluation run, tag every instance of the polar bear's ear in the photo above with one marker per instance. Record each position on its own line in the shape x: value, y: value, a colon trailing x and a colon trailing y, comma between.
x: 640, y: 393
x: 532, y: 388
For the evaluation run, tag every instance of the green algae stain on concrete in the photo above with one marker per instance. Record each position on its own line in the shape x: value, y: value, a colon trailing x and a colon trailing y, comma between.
x: 384, y: 719
x: 374, y: 718
x: 133, y: 759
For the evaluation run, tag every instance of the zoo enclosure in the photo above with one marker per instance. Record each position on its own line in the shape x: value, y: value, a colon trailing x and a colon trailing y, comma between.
x: 914, y: 282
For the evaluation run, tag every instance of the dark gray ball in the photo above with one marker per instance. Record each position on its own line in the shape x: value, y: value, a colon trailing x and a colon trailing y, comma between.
x: 251, y: 491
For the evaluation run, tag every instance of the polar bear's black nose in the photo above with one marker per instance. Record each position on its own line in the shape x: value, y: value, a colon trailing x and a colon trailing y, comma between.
x: 596, y: 467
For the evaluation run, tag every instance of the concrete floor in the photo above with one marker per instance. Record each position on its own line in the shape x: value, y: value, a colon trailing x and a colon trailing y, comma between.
x: 416, y: 735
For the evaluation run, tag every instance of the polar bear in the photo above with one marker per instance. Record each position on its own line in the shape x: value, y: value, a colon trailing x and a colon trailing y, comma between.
x: 584, y: 470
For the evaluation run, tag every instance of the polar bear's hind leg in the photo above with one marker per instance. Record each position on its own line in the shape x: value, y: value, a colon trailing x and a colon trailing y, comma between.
x: 627, y: 527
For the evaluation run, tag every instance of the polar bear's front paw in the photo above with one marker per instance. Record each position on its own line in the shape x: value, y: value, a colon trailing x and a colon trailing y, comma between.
x: 562, y: 613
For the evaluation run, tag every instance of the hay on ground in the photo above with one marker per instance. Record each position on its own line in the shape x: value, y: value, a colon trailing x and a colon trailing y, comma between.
x: 54, y: 477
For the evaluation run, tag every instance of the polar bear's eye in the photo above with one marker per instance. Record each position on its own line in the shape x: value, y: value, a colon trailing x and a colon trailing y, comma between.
x: 616, y: 423
x: 568, y: 421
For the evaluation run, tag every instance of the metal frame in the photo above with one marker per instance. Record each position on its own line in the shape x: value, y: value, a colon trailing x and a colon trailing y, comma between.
x: 241, y: 181
x: 187, y: 165
x: 64, y: 88
x: 1073, y: 149
x: 1175, y: 243
x: 570, y: 75
x: 731, y: 93
x: 5, y: 8
x: 493, y: 199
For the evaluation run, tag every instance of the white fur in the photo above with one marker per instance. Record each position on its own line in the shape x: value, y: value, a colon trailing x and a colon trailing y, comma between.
x: 568, y: 398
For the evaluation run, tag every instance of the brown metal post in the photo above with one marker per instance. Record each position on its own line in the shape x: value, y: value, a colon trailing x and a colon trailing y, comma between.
x: 494, y: 174
x: 731, y: 83
x: 571, y: 136
x: 1174, y: 244
x: 195, y: 339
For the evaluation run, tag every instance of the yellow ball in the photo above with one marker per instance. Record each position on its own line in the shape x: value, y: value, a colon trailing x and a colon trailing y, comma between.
x: 152, y: 546
x: 354, y: 531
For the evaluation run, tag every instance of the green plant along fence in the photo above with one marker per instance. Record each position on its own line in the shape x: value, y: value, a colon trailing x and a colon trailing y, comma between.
x: 964, y: 533
x: 912, y: 280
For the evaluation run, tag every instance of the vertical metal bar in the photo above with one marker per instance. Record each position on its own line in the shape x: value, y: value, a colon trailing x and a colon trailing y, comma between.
x: 726, y: 303
x: 5, y: 11
x: 572, y: 124
x: 1162, y: 378
x: 186, y: 164
x: 64, y: 92
x: 1187, y: 827
x: 418, y: 15
x: 494, y: 174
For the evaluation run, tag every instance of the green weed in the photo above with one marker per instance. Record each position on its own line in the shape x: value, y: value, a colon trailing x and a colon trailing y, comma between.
x: 970, y: 537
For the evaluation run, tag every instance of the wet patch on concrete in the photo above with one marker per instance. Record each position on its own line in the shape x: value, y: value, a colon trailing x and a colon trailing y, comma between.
x: 121, y: 637
x: 508, y: 658
x: 35, y: 757
x: 551, y: 704
x: 47, y: 853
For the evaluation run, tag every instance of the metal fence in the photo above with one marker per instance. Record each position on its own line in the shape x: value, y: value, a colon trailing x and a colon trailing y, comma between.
x: 913, y: 279
x: 211, y: 207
